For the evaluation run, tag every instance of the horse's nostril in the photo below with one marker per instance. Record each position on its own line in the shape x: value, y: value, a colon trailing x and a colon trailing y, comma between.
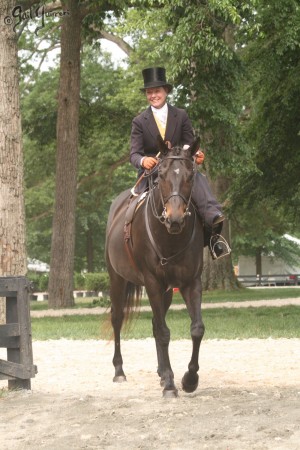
x: 175, y: 228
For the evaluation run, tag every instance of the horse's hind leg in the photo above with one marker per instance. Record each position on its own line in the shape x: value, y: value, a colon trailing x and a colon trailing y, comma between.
x: 118, y: 295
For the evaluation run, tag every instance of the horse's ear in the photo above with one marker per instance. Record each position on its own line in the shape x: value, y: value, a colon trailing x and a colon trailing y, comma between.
x: 163, y: 148
x: 195, y: 146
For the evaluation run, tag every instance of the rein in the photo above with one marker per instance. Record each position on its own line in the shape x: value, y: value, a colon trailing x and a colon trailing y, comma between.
x: 163, y: 259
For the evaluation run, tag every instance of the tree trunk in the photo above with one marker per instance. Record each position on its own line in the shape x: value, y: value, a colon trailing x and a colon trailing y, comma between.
x: 12, y: 213
x: 63, y: 237
x: 90, y: 250
x: 258, y: 265
x: 219, y: 274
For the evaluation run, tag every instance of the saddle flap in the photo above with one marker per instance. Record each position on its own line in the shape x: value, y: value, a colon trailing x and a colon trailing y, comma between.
x: 133, y: 205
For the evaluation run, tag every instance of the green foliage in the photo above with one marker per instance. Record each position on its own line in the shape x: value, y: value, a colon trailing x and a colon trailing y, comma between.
x: 79, y: 281
x: 39, y: 281
x: 272, y: 55
x: 103, y: 154
x: 97, y: 282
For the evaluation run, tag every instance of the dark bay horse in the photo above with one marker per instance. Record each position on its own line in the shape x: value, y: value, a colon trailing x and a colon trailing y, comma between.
x: 166, y: 251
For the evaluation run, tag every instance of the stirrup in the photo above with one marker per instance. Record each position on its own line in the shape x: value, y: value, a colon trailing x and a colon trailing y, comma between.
x: 218, y: 246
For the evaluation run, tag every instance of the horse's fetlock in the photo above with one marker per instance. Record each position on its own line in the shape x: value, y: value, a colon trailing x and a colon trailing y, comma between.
x: 193, y: 367
x: 197, y: 331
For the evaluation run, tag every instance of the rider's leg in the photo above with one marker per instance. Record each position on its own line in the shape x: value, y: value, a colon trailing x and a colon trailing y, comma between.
x: 212, y: 216
x: 208, y: 207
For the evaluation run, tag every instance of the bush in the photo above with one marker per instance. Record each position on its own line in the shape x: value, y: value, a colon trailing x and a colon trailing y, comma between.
x: 104, y: 279
x: 94, y: 282
x: 79, y: 281
x: 43, y: 282
x: 39, y: 281
x: 97, y: 282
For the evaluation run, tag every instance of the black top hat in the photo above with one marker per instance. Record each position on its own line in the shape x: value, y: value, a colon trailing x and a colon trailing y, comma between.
x: 155, y: 77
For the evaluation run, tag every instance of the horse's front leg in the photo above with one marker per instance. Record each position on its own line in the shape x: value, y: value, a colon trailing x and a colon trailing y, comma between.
x: 192, y: 296
x: 167, y: 300
x: 162, y: 337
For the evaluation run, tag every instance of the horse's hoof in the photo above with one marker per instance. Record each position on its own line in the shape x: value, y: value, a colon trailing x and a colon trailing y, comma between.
x: 167, y: 393
x: 119, y: 379
x: 190, y: 382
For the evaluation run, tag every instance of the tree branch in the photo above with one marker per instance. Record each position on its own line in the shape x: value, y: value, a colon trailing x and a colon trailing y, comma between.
x: 26, y: 4
x: 113, y: 38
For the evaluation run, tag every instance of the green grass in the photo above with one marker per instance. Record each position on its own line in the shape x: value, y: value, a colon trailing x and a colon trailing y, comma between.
x: 91, y: 302
x: 250, y: 294
x: 208, y: 297
x: 220, y: 323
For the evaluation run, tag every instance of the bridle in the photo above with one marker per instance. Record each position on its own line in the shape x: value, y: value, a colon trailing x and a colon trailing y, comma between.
x: 162, y: 217
x: 153, y: 185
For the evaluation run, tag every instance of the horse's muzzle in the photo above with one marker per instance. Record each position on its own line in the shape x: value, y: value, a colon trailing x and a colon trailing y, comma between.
x: 175, y: 226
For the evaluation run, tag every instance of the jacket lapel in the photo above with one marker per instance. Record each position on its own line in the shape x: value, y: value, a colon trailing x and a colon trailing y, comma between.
x: 171, y: 123
x: 150, y: 123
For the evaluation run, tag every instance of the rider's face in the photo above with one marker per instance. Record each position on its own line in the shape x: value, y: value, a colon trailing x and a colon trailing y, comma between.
x: 157, y: 96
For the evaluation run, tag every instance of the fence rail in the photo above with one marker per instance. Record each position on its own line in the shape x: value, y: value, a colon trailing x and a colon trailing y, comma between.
x: 270, y: 280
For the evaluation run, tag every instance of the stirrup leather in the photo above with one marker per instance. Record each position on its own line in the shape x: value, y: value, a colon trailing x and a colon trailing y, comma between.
x: 220, y: 241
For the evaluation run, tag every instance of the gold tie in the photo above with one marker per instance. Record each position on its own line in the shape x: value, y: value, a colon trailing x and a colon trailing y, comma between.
x: 160, y: 127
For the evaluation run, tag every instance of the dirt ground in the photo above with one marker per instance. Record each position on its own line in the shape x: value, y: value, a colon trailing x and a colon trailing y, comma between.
x: 248, y: 398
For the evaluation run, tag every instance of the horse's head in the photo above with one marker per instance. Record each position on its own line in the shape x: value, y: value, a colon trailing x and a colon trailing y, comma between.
x: 175, y: 179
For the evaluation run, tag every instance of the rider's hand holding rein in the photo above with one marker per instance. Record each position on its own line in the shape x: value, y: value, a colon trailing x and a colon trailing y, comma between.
x: 199, y: 157
x: 149, y: 162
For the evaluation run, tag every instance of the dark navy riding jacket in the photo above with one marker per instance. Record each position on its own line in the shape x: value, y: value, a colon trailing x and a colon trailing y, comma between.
x: 144, y: 132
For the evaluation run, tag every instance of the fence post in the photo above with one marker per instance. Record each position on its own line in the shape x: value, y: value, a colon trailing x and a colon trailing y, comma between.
x: 15, y: 335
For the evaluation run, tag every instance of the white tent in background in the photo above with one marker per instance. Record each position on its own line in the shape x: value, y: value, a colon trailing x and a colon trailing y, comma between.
x: 37, y: 266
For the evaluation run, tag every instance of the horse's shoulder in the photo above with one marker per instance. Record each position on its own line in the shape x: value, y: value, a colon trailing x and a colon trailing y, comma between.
x: 122, y: 197
x: 119, y: 203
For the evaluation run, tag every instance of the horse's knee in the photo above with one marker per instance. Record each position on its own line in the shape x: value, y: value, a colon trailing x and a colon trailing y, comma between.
x: 162, y: 336
x: 197, y: 331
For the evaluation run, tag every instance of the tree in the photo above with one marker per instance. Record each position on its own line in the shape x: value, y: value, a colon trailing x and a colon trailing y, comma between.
x: 103, y: 168
x: 272, y: 55
x: 63, y: 235
x: 12, y: 222
x: 265, y: 194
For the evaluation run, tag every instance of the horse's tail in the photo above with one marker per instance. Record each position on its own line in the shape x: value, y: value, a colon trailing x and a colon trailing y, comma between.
x: 132, y: 301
